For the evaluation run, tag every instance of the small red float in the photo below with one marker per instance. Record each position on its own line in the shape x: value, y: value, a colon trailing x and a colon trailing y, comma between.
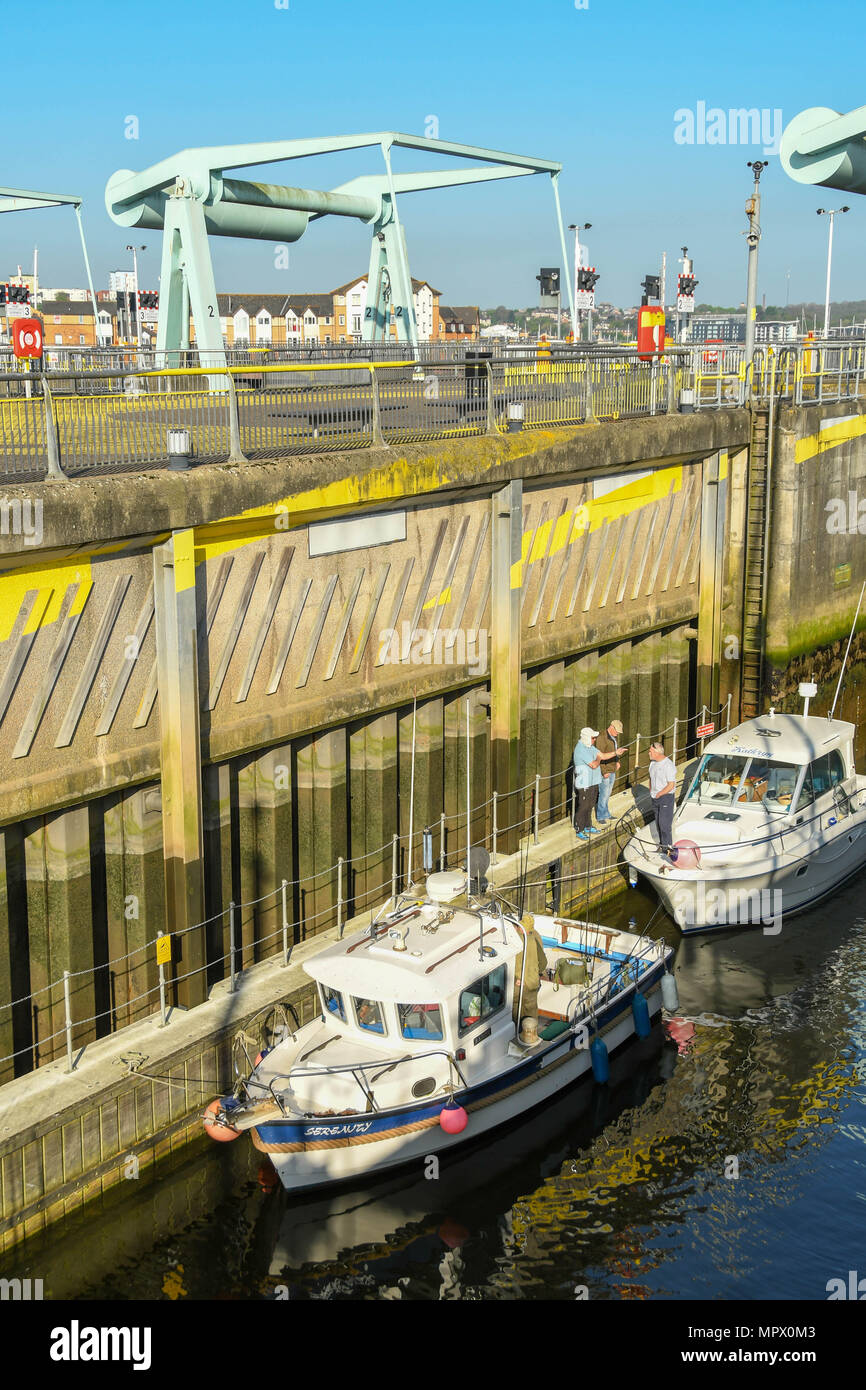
x: 453, y: 1234
x: 453, y: 1119
x: 222, y: 1133
x: 267, y: 1176
x: 686, y: 854
x: 682, y: 1032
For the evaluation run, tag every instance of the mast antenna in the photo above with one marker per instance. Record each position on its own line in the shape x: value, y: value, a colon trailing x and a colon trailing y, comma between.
x: 847, y: 651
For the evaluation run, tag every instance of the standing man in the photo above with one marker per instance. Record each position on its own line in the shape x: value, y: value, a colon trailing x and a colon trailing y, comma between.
x: 663, y: 781
x: 608, y: 750
x: 587, y: 780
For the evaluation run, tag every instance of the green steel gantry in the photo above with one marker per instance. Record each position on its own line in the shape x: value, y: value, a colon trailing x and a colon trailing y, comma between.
x: 24, y: 199
x: 826, y: 147
x: 189, y: 196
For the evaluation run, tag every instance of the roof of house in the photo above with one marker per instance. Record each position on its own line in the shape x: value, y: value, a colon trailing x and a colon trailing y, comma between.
x: 459, y: 313
x: 277, y: 305
x: 416, y: 285
x: 70, y: 308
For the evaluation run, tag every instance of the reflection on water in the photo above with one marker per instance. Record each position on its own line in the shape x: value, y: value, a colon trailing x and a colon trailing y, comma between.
x: 729, y: 1162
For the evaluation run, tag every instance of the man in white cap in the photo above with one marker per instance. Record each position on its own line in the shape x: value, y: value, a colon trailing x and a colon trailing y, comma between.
x: 587, y: 780
x: 608, y: 747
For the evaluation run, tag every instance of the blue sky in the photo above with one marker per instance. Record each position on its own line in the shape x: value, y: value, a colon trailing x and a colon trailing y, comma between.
x: 596, y: 88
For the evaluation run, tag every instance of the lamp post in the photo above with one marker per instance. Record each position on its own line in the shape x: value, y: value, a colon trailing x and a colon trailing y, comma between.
x: 135, y: 250
x: 753, y: 236
x: 831, y: 213
x: 577, y: 228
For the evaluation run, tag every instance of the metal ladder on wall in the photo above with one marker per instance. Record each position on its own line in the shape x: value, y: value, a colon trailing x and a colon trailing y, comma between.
x: 755, y: 568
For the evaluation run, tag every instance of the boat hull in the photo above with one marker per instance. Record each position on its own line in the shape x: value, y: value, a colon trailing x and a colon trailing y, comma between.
x: 703, y: 902
x: 324, y: 1150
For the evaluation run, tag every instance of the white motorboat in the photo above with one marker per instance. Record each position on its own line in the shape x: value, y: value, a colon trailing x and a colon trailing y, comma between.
x: 773, y: 821
x: 432, y: 1032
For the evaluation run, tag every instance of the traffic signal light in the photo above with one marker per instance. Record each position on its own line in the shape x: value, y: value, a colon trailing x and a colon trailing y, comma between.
x: 687, y: 284
x: 586, y: 278
x: 549, y: 280
x: 148, y: 299
x: 651, y: 287
x: 4, y: 288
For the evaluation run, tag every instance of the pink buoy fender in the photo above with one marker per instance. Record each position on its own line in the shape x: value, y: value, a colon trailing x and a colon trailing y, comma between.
x: 223, y: 1133
x: 686, y: 854
x: 453, y: 1118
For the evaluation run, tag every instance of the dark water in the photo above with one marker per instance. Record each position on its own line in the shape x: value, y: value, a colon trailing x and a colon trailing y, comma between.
x: 729, y: 1165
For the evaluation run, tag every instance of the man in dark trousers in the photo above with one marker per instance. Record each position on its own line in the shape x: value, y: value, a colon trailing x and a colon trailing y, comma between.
x: 607, y: 745
x: 663, y: 782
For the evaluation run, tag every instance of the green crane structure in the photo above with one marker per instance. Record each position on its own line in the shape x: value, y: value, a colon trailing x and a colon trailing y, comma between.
x: 189, y: 196
x: 24, y: 199
x: 826, y: 147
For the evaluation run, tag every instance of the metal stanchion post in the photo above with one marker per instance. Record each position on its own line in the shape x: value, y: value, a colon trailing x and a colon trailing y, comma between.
x: 340, y: 896
x: 535, y: 809
x: 285, y: 923
x: 493, y: 858
x: 231, y: 948
x: 68, y: 1021
x: 163, y: 1017
x: 442, y: 841
x: 394, y: 843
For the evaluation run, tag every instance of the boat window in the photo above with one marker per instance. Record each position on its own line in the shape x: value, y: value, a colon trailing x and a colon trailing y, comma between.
x: 827, y: 772
x: 423, y: 1021
x: 333, y: 1002
x: 369, y: 1015
x: 482, y: 998
x: 806, y: 796
x: 773, y: 783
x: 718, y: 777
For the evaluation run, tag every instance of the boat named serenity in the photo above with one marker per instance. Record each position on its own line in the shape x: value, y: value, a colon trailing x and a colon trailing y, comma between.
x: 773, y: 821
x: 453, y: 1013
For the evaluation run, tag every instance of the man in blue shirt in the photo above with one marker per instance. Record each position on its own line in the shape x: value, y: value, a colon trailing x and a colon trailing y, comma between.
x: 587, y: 780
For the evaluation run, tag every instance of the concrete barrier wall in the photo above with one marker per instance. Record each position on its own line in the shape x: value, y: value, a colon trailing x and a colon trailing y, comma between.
x: 281, y: 741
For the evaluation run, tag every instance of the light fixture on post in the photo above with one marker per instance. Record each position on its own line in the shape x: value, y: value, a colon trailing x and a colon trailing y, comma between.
x: 831, y: 213
x: 135, y: 250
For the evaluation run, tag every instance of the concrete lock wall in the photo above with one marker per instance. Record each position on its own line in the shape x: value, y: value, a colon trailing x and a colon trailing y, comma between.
x: 198, y: 700
x: 286, y: 741
x: 817, y: 543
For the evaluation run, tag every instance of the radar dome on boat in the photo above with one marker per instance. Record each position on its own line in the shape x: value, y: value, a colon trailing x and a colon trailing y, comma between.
x: 441, y: 888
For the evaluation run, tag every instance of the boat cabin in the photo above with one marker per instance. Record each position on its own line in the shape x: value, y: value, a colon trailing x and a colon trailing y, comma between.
x: 778, y: 766
x: 421, y: 979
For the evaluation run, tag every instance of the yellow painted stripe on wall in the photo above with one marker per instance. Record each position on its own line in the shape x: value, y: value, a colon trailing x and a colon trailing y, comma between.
x: 829, y: 438
x: 51, y: 582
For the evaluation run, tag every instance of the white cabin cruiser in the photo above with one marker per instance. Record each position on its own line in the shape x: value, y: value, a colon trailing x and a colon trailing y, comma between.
x: 774, y: 820
x: 432, y: 1033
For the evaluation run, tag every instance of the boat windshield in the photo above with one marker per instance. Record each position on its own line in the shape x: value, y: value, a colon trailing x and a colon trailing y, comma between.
x: 725, y: 778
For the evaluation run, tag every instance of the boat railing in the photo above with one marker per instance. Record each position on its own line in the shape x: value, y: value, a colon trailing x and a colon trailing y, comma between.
x: 358, y: 1070
x: 778, y: 832
x: 587, y: 1002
